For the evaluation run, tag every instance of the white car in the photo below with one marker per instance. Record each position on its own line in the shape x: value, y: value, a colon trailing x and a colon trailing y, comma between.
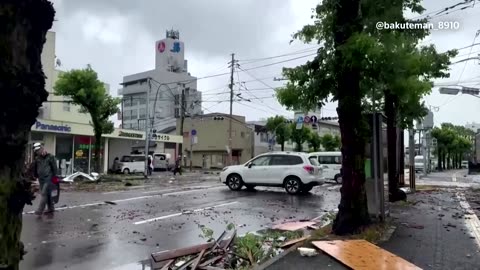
x: 296, y: 172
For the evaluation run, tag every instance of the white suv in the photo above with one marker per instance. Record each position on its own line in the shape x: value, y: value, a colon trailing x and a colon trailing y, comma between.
x: 296, y: 172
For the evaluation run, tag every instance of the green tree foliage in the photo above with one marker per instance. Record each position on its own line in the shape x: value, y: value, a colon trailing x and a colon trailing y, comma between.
x: 86, y: 90
x: 278, y: 126
x: 356, y: 59
x: 24, y: 25
x: 330, y: 142
x: 454, y: 144
x: 314, y: 141
x: 299, y: 136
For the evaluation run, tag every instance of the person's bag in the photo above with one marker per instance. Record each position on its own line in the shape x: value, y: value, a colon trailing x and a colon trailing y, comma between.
x: 55, y: 189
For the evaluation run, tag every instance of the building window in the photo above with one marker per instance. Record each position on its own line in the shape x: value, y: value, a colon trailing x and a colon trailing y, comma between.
x: 143, y: 113
x: 127, y: 114
x: 242, y: 134
x: 177, y: 99
x: 128, y: 102
x: 66, y: 106
x: 263, y: 137
x: 177, y: 112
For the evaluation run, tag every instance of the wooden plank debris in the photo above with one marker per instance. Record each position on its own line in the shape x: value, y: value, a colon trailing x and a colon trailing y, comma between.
x: 363, y: 255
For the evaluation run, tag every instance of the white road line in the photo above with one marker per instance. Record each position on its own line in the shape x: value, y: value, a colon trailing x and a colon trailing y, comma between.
x: 472, y: 221
x: 454, y: 177
x: 131, y: 199
x: 179, y: 214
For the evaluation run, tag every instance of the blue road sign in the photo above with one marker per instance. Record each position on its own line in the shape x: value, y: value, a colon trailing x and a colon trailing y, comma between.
x: 194, y: 132
x: 313, y: 119
x: 300, y: 119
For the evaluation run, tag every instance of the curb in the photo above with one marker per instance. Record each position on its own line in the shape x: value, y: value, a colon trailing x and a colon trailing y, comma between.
x: 275, y: 259
x: 472, y: 221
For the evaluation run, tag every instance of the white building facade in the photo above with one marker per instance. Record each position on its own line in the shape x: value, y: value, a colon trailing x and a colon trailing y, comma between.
x: 68, y: 135
x: 169, y: 78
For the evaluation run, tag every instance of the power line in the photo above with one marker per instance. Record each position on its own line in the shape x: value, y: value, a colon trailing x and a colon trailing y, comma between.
x: 465, y: 65
x: 249, y: 61
x: 279, y: 62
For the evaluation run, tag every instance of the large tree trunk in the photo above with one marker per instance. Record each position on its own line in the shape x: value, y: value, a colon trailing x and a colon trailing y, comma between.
x: 282, y: 145
x: 24, y: 24
x: 390, y: 113
x: 98, y: 153
x: 444, y: 159
x: 353, y: 211
x: 401, y: 180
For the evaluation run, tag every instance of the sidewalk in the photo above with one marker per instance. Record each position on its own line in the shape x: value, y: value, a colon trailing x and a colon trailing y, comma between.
x: 434, y: 230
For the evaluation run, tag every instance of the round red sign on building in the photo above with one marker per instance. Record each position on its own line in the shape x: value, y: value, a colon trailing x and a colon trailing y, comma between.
x: 161, y: 46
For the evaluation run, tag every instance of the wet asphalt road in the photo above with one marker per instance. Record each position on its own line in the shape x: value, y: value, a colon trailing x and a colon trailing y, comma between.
x: 87, y: 233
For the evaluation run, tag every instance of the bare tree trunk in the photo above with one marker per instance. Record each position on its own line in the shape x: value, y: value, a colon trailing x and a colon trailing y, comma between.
x: 353, y: 211
x: 439, y: 159
x: 22, y: 91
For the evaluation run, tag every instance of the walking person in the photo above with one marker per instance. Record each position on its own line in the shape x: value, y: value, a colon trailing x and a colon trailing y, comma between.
x: 45, y: 170
x: 150, y: 165
x: 178, y: 166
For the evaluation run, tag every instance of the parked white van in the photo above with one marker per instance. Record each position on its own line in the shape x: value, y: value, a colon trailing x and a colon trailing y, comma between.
x: 331, y: 164
x: 131, y: 164
x: 161, y: 161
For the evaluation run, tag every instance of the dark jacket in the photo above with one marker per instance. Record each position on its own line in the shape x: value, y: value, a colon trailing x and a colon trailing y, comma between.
x: 45, y: 168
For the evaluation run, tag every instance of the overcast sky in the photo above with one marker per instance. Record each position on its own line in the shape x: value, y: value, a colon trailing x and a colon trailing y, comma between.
x: 117, y: 37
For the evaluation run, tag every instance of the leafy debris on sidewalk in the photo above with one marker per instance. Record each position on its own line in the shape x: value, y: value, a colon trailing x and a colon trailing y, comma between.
x: 227, y: 251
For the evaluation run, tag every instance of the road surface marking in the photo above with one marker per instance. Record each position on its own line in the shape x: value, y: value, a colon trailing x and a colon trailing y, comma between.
x: 454, y: 177
x: 179, y: 214
x: 130, y: 199
x: 184, y: 189
x: 471, y: 219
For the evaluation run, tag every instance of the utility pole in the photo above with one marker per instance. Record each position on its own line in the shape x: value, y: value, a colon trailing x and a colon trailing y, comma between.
x: 230, y: 143
x: 182, y: 119
x: 429, y: 141
x: 424, y: 152
x: 411, y: 156
x: 191, y: 141
x: 147, y: 135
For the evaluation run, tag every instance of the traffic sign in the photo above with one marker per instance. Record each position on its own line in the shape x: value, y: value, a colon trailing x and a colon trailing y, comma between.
x: 306, y: 120
x: 194, y: 132
x: 299, y: 119
x: 299, y: 126
x: 313, y: 119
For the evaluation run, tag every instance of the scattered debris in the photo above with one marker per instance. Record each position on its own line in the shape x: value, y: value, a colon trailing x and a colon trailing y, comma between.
x: 307, y: 252
x: 227, y: 251
x: 294, y: 226
x: 293, y: 242
x: 71, y: 178
x: 109, y: 202
x: 413, y: 226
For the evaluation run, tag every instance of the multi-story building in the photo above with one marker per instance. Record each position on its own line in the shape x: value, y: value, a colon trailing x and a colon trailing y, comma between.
x: 265, y: 141
x: 211, y: 140
x: 169, y: 78
x: 68, y: 134
x: 475, y: 127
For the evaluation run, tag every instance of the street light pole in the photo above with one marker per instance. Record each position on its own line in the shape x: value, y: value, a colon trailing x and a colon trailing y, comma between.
x: 147, y: 135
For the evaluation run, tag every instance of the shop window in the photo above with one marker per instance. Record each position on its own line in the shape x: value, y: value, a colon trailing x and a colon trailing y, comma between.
x: 64, y: 153
x: 81, y: 154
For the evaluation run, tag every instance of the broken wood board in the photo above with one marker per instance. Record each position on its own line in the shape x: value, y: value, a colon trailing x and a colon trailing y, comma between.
x: 363, y: 255
x: 176, y: 253
x: 293, y: 242
x: 294, y: 226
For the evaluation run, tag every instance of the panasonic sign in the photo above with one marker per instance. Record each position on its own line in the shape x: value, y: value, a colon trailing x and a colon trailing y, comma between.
x: 61, y: 128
